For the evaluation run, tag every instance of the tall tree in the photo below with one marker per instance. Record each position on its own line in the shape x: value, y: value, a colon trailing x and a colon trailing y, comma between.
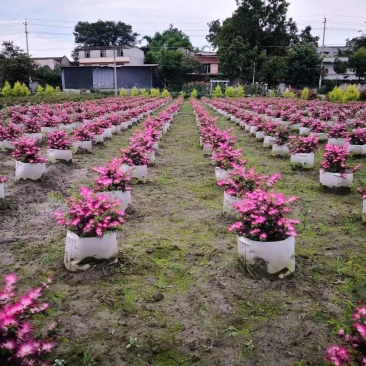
x: 256, y: 29
x: 306, y: 36
x: 103, y: 33
x: 340, y: 67
x: 357, y: 62
x: 274, y: 70
x: 15, y: 64
x: 48, y: 76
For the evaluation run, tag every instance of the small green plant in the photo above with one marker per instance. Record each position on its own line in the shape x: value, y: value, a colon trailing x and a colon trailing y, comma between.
x: 6, y: 90
x: 135, y: 92
x: 25, y: 90
x: 165, y: 93
x: 40, y: 90
x: 144, y: 93
x: 17, y: 89
x: 133, y: 343
x: 87, y: 358
x: 217, y: 93
x: 182, y: 94
x: 289, y: 94
x: 123, y: 93
x: 305, y: 94
x: 155, y: 92
x: 230, y: 92
x: 59, y: 362
x: 336, y: 95
x: 49, y: 90
x: 240, y: 91
x: 272, y: 94
x: 351, y: 94
x: 57, y: 89
x: 194, y: 93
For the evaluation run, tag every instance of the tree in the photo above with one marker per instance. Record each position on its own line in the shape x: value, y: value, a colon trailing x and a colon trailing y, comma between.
x: 48, y: 76
x: 15, y: 65
x: 340, y: 67
x: 307, y: 37
x: 304, y: 64
x: 357, y: 62
x: 257, y: 29
x: 167, y: 49
x: 103, y: 33
x: 274, y: 70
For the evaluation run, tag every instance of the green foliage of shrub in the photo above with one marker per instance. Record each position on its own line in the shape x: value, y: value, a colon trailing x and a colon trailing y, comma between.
x: 40, y: 90
x: 155, y: 92
x: 144, y: 92
x: 194, y: 93
x: 135, y: 92
x: 352, y: 94
x: 123, y: 93
x: 272, y: 94
x: 201, y: 87
x: 289, y: 94
x: 336, y: 95
x: 165, y: 93
x: 217, y: 93
x: 25, y: 90
x: 17, y: 89
x: 58, y: 89
x: 182, y: 94
x: 230, y: 92
x: 305, y: 94
x: 49, y: 90
x: 240, y: 91
x: 6, y: 90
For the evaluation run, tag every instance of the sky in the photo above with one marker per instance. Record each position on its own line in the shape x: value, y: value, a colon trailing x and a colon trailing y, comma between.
x: 51, y: 23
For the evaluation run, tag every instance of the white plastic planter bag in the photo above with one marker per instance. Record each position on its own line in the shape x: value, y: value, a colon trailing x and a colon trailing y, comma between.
x: 54, y: 154
x: 83, y: 145
x: 34, y: 136
x: 280, y: 150
x: 166, y: 128
x: 295, y: 127
x: 253, y: 130
x: 307, y: 160
x: 98, y: 138
x: 267, y: 259
x: 228, y: 207
x: 333, y: 180
x: 6, y: 144
x: 357, y: 149
x: 151, y: 157
x: 268, y: 141
x: 116, y: 129
x: 48, y: 129
x: 2, y: 190
x: 84, y: 253
x: 337, y: 142
x: 66, y: 128
x: 124, y: 197
x: 207, y: 149
x: 29, y: 171
x: 364, y: 210
x: 124, y: 125
x: 221, y: 174
x: 320, y: 135
x: 259, y: 135
x: 304, y: 131
x: 107, y: 133
x: 155, y: 146
x: 138, y: 171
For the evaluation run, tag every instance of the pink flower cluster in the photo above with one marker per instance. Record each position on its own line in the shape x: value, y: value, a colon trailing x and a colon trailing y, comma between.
x: 59, y: 140
x: 303, y: 145
x: 90, y: 215
x: 32, y: 126
x: 27, y: 151
x: 226, y: 156
x: 83, y: 133
x: 111, y: 178
x: 263, y: 216
x: 354, y: 338
x: 3, y: 179
x: 339, y: 131
x: 18, y: 345
x: 10, y: 132
x: 357, y: 137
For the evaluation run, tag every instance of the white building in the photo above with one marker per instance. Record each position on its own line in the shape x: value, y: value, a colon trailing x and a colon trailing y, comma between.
x: 51, y: 62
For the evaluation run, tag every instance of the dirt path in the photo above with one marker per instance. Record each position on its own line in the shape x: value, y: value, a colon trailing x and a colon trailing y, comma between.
x: 177, y: 296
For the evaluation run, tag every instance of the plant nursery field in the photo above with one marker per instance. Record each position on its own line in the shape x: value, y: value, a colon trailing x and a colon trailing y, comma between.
x: 177, y: 295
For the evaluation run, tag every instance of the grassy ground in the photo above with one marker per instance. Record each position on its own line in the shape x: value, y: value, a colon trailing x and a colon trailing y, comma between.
x: 177, y: 295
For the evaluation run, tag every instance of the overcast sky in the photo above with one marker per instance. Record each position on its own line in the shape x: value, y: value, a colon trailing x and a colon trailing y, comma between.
x: 51, y: 22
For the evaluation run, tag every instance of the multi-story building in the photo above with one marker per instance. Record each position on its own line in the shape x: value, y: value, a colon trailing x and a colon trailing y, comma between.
x: 51, y: 62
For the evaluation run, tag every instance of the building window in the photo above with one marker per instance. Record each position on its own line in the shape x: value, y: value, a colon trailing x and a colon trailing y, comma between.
x: 119, y: 52
x: 103, y: 53
x: 206, y: 69
x: 87, y: 54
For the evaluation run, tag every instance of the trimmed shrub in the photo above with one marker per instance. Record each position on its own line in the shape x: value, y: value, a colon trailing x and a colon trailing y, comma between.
x: 305, y: 94
x: 165, y: 93
x: 123, y: 93
x: 135, y: 92
x: 230, y: 92
x: 240, y: 91
x: 352, y: 94
x: 217, y: 93
x: 194, y: 93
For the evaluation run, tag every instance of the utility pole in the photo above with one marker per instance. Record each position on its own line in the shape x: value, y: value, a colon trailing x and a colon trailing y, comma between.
x: 321, y: 65
x: 115, y: 72
x: 26, y: 40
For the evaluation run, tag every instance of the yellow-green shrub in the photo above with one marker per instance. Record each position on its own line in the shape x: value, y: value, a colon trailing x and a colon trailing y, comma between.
x: 165, y: 93
x: 336, y: 95
x: 25, y: 90
x: 289, y: 94
x: 49, y: 90
x: 305, y: 94
x: 123, y: 92
x: 6, y: 90
x: 230, y: 92
x: 17, y: 89
x: 240, y: 91
x: 40, y: 90
x: 57, y: 89
x: 351, y: 94
x: 194, y: 93
x: 135, y: 92
x: 272, y: 94
x: 144, y: 92
x: 155, y: 92
x: 217, y: 93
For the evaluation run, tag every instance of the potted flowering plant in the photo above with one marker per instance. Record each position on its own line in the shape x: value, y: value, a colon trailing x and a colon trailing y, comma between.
x: 97, y: 132
x: 48, y: 124
x: 266, y: 235
x: 135, y: 159
x: 282, y: 136
x: 270, y: 130
x: 363, y: 194
x: 91, y: 222
x: 225, y: 157
x: 240, y: 181
x: 114, y: 182
x: 302, y: 150
x: 7, y: 135
x: 147, y: 141
x: 59, y: 147
x: 357, y: 141
x: 29, y: 163
x: 338, y: 134
x: 3, y: 180
x: 32, y: 129
x: 319, y: 129
x: 334, y: 170
x: 82, y: 138
x: 106, y: 125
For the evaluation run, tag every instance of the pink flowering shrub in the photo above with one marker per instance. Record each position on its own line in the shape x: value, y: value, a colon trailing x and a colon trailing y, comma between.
x: 10, y: 132
x: 32, y: 126
x: 112, y: 178
x: 27, y: 151
x: 94, y: 128
x: 241, y: 181
x: 303, y: 145
x: 18, y: 345
x: 362, y: 192
x: 226, y: 157
x: 49, y: 121
x: 90, y: 215
x: 263, y: 216
x: 3, y: 179
x: 135, y: 155
x: 357, y: 137
x: 83, y: 133
x: 59, y: 140
x: 339, y: 131
x: 282, y: 135
x: 353, y: 353
x: 335, y: 159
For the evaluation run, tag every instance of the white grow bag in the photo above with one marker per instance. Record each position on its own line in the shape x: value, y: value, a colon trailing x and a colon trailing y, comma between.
x: 2, y: 190
x: 83, y: 145
x: 307, y: 160
x: 138, y: 171
x: 333, y: 180
x: 98, y: 138
x: 29, y: 171
x: 280, y: 150
x: 34, y: 136
x: 221, y: 174
x: 228, y: 207
x: 54, y: 154
x: 268, y: 141
x: 124, y: 197
x: 107, y: 133
x: 6, y: 145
